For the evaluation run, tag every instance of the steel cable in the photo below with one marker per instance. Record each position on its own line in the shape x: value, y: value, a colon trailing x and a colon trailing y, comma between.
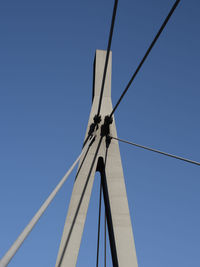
x: 157, y: 151
x: 99, y: 225
x: 145, y: 56
x: 107, y: 55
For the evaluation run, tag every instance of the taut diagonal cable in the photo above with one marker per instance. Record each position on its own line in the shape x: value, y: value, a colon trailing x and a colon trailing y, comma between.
x: 157, y: 151
x: 107, y: 55
x: 19, y: 241
x: 145, y: 56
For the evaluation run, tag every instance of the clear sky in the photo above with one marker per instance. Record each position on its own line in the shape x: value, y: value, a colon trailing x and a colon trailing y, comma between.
x: 46, y: 66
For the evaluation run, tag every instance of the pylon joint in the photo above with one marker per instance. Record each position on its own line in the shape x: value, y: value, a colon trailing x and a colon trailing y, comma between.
x: 105, y: 128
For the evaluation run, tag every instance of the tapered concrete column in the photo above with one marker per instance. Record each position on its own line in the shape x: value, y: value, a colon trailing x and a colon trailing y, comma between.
x: 121, y: 222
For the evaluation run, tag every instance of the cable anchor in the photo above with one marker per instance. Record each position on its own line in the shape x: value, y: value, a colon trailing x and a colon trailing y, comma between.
x: 105, y: 129
x: 97, y: 120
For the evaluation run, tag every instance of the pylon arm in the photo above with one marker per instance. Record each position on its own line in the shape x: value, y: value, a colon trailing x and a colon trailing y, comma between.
x: 117, y: 211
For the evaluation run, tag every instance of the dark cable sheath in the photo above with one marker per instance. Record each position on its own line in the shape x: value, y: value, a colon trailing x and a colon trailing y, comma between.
x: 99, y: 225
x: 107, y: 55
x: 145, y: 56
x: 105, y: 239
x: 157, y: 151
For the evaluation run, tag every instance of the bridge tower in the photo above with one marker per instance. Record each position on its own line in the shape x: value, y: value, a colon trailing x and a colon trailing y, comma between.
x: 103, y: 156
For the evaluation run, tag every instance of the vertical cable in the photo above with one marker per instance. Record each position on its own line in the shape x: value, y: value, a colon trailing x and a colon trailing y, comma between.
x: 108, y: 210
x: 99, y: 225
x: 105, y: 240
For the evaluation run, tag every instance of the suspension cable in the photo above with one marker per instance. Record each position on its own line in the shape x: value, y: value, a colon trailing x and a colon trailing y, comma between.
x: 19, y: 241
x: 99, y: 225
x: 105, y: 238
x: 157, y: 151
x: 145, y: 56
x: 107, y: 55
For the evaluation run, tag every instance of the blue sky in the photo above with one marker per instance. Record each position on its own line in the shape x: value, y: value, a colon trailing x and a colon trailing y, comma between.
x: 46, y: 65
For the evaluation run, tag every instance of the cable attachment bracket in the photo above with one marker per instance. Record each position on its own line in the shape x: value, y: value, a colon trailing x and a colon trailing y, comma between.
x: 105, y: 129
x: 97, y: 120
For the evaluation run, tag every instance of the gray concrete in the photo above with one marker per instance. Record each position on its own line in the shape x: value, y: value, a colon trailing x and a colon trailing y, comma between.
x: 74, y: 225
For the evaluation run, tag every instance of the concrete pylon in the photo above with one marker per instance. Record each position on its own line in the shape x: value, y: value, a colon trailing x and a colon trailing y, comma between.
x: 108, y: 162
